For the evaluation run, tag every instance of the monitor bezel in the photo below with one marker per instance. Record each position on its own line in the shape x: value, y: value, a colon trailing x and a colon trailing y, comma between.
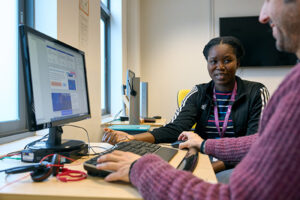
x: 33, y: 126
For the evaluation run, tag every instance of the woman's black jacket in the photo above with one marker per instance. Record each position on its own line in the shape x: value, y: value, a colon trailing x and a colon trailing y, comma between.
x: 196, y: 106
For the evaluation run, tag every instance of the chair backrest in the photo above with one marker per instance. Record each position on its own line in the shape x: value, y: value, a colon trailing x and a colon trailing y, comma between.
x: 180, y: 96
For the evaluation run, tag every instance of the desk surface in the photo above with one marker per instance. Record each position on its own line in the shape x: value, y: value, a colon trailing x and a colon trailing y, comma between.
x: 157, y: 123
x: 20, y: 186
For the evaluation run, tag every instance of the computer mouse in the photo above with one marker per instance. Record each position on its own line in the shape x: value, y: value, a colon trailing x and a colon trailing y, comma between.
x: 176, y: 144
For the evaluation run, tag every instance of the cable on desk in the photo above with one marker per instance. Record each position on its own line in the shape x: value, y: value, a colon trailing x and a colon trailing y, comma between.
x: 10, y: 158
x: 87, y: 134
x: 94, y: 154
x: 34, y: 142
x: 15, y: 181
x: 117, y: 115
x: 9, y: 155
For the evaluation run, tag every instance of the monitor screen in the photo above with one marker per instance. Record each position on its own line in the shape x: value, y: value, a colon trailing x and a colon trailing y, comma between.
x: 55, y: 82
x: 257, y: 38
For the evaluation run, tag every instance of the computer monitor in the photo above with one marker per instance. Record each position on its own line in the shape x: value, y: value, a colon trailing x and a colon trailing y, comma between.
x: 56, y: 88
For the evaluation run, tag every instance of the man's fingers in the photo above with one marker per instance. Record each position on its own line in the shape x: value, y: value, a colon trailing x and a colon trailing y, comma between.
x: 112, y: 177
x: 110, y: 166
x: 118, y: 152
x: 109, y: 157
x: 184, y: 145
x: 117, y: 176
x: 180, y: 137
x: 184, y: 134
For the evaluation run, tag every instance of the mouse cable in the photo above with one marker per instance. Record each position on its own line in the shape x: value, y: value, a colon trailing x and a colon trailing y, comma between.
x: 117, y: 115
x: 94, y: 154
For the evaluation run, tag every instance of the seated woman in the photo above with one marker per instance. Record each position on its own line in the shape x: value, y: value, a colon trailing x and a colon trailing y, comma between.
x: 227, y: 106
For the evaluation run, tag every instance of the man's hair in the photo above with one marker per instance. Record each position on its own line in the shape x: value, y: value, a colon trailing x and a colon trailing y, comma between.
x: 230, y: 40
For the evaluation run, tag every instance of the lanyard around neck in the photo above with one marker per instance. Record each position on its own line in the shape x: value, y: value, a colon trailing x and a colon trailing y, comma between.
x: 221, y: 133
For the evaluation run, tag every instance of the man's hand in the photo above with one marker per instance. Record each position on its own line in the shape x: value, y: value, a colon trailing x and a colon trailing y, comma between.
x: 119, y: 162
x: 192, y: 140
x: 114, y: 137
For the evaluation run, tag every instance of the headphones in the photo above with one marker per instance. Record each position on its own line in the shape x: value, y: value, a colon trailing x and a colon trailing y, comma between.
x: 40, y: 171
x: 132, y: 91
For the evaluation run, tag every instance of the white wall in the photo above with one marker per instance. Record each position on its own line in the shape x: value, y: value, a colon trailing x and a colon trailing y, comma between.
x: 68, y: 32
x: 134, y: 38
x: 173, y: 34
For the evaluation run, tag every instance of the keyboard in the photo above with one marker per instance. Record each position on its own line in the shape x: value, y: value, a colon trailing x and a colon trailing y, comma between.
x: 137, y: 147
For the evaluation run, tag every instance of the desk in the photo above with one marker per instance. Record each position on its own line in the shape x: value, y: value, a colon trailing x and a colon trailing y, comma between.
x: 90, y: 188
x: 156, y: 124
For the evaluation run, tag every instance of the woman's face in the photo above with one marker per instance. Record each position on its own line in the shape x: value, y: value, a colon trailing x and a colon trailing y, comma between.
x: 222, y: 65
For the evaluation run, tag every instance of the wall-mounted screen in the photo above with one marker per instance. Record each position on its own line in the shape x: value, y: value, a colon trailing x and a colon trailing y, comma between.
x: 258, y: 41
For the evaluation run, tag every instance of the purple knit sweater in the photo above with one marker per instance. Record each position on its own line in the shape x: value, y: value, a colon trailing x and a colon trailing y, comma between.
x: 269, y: 159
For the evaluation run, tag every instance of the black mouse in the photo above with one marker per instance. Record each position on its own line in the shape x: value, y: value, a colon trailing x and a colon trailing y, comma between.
x: 176, y: 144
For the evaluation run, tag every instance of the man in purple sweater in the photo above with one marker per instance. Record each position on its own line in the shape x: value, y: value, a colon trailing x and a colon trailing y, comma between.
x: 269, y: 160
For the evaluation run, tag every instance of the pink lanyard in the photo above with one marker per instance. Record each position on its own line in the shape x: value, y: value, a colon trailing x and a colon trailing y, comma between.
x: 221, y: 134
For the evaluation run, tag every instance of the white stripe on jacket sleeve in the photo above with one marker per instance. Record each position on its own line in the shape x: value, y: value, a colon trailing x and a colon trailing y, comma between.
x: 194, y: 90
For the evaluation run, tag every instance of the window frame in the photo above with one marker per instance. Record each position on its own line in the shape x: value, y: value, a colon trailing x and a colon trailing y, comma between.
x: 11, y: 128
x: 106, y: 17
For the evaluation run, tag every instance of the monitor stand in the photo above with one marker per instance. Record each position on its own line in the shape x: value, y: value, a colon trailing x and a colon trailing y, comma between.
x: 69, y: 148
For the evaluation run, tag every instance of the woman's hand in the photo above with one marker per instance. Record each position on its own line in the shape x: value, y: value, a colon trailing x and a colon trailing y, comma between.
x: 114, y: 137
x: 192, y: 140
x: 119, y: 162
x: 218, y: 166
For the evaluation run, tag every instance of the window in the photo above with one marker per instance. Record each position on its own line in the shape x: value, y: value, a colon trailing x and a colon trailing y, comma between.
x: 105, y: 56
x: 105, y: 3
x: 12, y: 101
x: 8, y: 104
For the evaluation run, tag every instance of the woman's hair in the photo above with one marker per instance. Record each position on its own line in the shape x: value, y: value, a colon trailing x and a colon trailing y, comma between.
x: 232, y: 41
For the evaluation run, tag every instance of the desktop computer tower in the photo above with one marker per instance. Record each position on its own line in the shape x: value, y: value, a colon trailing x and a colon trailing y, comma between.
x: 144, y: 99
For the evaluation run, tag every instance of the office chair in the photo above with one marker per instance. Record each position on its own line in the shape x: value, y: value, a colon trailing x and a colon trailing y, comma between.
x: 180, y: 96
